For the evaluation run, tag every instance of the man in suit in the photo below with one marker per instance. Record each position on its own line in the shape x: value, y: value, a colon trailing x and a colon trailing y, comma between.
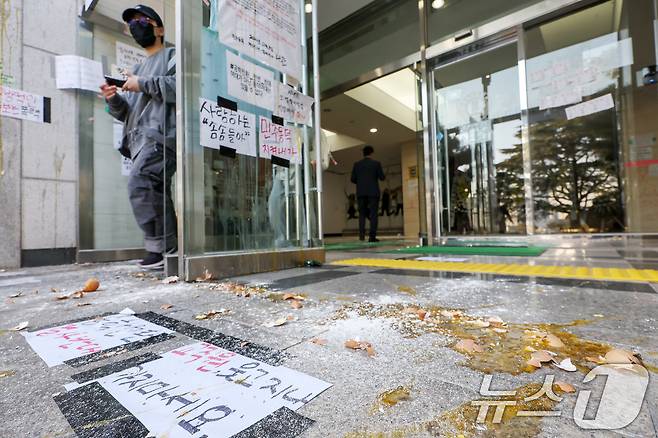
x: 366, y: 174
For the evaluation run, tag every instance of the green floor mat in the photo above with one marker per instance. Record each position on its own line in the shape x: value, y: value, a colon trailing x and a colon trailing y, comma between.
x: 349, y: 246
x: 530, y: 251
x: 487, y: 243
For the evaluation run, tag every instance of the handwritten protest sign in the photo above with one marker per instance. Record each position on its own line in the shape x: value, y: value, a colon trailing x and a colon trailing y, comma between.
x: 58, y: 344
x: 19, y: 104
x: 203, y: 390
x: 249, y: 82
x: 277, y: 140
x: 222, y: 127
x: 128, y: 56
x: 269, y: 31
x: 293, y: 105
x: 78, y: 73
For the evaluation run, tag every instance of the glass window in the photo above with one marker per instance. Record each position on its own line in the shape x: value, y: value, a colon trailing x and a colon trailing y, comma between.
x: 479, y: 142
x: 236, y: 200
x: 114, y: 223
x: 107, y: 221
x: 585, y: 120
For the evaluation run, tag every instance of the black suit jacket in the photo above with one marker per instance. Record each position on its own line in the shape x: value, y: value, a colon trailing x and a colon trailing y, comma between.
x: 366, y: 174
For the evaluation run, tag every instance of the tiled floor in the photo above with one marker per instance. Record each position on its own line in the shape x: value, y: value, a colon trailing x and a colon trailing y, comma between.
x: 381, y: 306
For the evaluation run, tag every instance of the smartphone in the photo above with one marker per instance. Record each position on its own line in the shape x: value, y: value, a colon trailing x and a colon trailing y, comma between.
x: 114, y: 81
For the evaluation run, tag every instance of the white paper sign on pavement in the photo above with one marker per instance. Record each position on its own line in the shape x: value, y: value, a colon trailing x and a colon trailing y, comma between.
x: 442, y: 259
x: 224, y: 127
x: 269, y: 31
x: 203, y: 390
x: 277, y: 140
x: 293, y: 105
x: 58, y: 344
x: 19, y: 104
x: 249, y: 82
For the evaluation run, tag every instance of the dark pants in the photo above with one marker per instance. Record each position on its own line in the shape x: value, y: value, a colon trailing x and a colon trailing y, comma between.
x: 368, y: 206
x: 149, y: 189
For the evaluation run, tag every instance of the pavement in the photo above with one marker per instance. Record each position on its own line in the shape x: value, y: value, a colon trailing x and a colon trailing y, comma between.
x: 424, y: 342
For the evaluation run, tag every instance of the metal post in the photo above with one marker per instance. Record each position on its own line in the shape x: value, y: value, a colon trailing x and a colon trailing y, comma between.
x: 655, y: 28
x: 286, y: 190
x: 298, y: 211
x: 432, y: 195
x: 306, y: 157
x: 525, y: 136
x: 286, y: 186
x: 180, y: 137
x: 448, y: 177
x: 317, y: 121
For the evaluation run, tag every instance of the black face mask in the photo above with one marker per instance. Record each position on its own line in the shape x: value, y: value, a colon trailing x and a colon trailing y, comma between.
x: 144, y: 35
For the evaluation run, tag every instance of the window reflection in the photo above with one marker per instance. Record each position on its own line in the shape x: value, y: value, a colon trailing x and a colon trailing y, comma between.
x: 574, y: 96
x: 480, y: 144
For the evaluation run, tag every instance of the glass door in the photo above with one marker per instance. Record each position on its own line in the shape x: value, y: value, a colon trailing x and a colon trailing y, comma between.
x: 580, y: 88
x: 478, y: 140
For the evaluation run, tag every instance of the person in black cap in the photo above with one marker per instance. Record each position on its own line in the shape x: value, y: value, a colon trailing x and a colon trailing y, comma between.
x: 366, y: 174
x: 147, y: 108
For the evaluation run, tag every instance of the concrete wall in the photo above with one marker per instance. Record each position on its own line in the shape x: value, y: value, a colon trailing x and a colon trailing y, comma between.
x: 38, y: 192
x: 11, y: 26
x: 410, y: 188
x: 334, y: 203
x: 639, y: 128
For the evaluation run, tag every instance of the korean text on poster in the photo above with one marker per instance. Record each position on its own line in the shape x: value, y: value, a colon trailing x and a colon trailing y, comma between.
x: 58, y: 344
x: 128, y: 56
x: 590, y: 107
x: 203, y: 390
x: 277, y: 140
x: 19, y: 104
x: 267, y: 30
x: 77, y: 72
x: 249, y: 82
x: 222, y: 127
x: 292, y: 105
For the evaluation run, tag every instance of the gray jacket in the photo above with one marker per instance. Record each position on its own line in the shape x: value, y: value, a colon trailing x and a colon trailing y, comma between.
x: 149, y: 117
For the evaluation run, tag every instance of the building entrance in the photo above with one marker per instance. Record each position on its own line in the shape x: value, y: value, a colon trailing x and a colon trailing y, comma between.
x: 541, y: 128
x: 478, y: 119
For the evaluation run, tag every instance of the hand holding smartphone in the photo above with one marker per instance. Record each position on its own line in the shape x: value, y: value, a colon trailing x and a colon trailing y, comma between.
x: 114, y: 81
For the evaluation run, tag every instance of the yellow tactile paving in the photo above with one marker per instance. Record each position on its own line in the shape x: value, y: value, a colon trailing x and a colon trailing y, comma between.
x: 573, y: 272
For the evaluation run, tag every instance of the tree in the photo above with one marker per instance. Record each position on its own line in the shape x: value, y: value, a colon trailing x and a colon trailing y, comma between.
x: 574, y: 172
x: 574, y: 163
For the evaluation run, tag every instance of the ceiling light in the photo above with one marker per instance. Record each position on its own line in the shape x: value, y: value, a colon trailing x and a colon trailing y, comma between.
x: 308, y: 7
x: 436, y: 4
x: 374, y: 130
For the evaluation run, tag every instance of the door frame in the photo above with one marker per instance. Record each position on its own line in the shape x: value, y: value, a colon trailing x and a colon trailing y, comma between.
x: 439, y: 161
x: 476, y: 39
